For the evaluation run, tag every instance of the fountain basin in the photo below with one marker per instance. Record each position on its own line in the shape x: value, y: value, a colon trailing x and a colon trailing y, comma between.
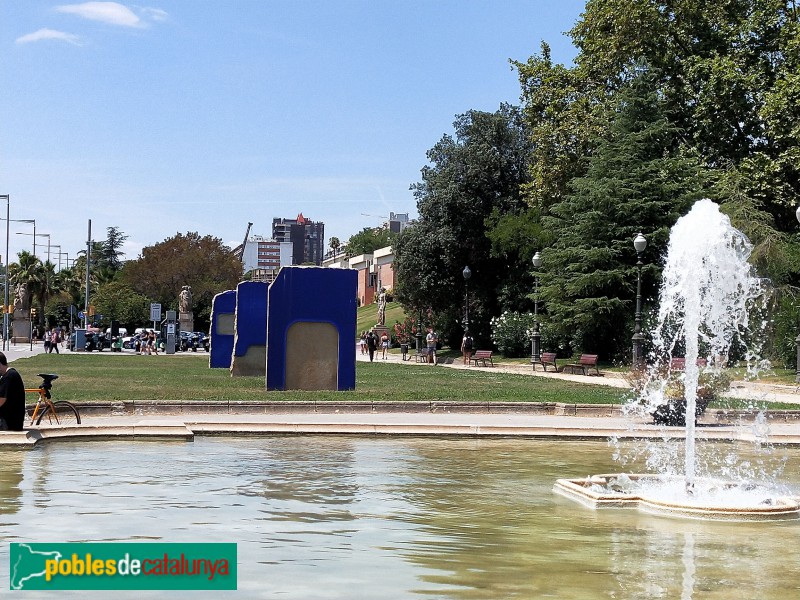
x: 712, y: 499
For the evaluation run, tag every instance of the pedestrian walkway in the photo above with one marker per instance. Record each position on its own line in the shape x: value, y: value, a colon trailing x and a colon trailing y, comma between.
x: 743, y: 390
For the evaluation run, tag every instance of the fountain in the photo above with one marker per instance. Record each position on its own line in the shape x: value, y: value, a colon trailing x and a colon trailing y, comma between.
x: 707, y: 295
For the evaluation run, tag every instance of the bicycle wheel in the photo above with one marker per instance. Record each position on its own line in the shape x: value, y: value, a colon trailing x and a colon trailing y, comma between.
x: 65, y: 414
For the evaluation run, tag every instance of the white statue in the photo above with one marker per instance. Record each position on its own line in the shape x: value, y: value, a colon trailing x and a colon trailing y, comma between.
x: 185, y: 300
x: 382, y: 307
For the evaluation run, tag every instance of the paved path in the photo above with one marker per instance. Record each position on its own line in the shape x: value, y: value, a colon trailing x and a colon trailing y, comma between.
x: 788, y: 394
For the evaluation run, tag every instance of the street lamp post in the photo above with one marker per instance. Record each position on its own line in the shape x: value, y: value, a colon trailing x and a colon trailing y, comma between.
x: 35, y: 235
x: 639, y: 244
x: 418, y: 335
x: 467, y: 274
x: 536, y: 337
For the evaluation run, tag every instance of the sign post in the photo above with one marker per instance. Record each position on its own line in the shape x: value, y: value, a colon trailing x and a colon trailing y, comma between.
x: 155, y: 314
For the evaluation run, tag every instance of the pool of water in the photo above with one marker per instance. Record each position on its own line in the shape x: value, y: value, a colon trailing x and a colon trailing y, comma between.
x: 348, y: 517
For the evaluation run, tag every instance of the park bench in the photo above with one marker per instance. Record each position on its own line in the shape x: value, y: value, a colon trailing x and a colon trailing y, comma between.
x: 482, y: 356
x: 678, y: 363
x: 585, y: 362
x: 546, y: 358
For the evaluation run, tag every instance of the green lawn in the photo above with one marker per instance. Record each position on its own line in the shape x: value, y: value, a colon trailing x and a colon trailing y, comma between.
x: 186, y: 377
x: 125, y: 377
x: 367, y: 316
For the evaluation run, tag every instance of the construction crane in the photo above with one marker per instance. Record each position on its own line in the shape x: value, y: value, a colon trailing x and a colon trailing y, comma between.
x: 239, y: 250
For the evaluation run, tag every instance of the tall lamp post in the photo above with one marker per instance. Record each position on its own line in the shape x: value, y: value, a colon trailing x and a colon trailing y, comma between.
x: 639, y: 244
x: 35, y: 235
x: 536, y: 337
x: 467, y: 274
x: 418, y: 335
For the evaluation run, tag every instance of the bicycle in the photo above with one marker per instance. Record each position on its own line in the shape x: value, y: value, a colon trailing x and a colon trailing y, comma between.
x: 49, y: 412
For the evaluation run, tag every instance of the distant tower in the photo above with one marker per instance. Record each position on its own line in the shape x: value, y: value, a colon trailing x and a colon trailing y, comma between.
x: 306, y: 236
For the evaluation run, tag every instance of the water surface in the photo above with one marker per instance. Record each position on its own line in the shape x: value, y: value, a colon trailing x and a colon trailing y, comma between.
x: 354, y: 517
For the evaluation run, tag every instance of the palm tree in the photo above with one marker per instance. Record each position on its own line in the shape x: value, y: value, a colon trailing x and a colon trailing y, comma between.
x: 335, y: 244
x: 27, y: 270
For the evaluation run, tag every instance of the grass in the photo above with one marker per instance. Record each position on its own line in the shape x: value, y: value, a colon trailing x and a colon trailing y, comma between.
x: 367, y: 316
x: 107, y: 377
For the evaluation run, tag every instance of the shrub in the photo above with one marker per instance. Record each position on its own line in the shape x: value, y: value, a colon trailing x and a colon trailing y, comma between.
x: 511, y: 333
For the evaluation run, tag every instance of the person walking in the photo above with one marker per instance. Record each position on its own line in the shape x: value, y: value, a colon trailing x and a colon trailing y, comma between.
x: 466, y: 347
x: 12, y: 397
x: 55, y: 340
x: 384, y: 344
x: 372, y: 345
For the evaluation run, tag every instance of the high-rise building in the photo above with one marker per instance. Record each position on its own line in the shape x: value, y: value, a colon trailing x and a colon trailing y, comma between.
x: 307, y: 238
x: 263, y: 257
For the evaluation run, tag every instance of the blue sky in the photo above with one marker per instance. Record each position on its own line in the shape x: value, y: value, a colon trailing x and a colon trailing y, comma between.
x: 199, y: 115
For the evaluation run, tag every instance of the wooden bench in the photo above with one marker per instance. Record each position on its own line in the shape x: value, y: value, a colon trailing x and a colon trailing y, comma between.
x: 679, y: 363
x: 585, y: 362
x: 482, y: 356
x: 546, y: 358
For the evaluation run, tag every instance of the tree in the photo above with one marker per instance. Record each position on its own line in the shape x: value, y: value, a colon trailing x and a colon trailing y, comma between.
x: 203, y: 263
x: 108, y: 254
x: 473, y: 175
x: 118, y: 301
x: 640, y: 178
x: 29, y: 270
x: 335, y: 244
x: 368, y: 240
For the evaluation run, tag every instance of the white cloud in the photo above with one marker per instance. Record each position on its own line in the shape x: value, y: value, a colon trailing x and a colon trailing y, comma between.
x: 112, y: 13
x: 154, y: 14
x: 49, y: 34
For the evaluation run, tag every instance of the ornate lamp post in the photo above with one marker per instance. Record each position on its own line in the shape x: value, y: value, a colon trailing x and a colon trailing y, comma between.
x: 536, y: 337
x: 639, y: 244
x: 797, y: 340
x: 418, y: 335
x: 467, y: 274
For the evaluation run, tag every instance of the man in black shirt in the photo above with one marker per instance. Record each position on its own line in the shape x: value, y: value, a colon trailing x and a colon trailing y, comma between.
x: 12, y: 397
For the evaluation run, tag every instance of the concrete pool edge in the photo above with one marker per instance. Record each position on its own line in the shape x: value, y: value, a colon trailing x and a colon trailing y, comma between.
x: 445, y: 423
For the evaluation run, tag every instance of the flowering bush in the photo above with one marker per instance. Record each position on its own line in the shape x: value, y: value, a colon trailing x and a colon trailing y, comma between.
x: 511, y: 333
x: 405, y: 331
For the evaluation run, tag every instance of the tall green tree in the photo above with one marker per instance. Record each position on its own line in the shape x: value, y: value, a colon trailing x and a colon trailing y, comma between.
x: 120, y: 302
x: 202, y: 262
x: 640, y: 179
x: 474, y: 174
x: 368, y: 240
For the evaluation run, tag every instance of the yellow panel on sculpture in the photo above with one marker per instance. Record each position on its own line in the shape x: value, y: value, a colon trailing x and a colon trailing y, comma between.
x: 312, y: 356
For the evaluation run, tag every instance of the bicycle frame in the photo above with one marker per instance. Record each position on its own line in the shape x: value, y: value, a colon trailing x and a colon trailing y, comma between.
x: 42, y: 402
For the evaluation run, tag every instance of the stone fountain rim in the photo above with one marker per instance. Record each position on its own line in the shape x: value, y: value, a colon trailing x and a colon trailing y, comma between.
x: 786, y: 507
